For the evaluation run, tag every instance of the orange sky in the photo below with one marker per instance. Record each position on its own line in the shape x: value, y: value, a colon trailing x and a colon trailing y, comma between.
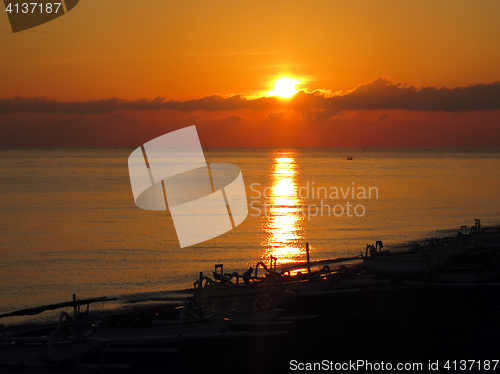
x: 181, y: 51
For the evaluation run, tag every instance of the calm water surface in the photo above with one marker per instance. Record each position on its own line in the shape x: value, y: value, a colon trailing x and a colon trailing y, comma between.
x: 68, y: 222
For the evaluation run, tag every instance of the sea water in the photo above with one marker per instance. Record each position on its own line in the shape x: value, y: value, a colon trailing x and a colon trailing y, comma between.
x: 69, y: 224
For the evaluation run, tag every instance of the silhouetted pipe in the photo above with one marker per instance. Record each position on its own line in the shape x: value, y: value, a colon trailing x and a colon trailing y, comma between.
x: 308, y: 260
x: 74, y: 308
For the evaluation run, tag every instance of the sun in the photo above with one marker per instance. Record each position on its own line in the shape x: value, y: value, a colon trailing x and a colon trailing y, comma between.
x: 284, y: 87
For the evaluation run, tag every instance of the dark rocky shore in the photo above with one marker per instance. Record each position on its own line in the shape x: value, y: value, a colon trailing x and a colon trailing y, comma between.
x: 418, y: 324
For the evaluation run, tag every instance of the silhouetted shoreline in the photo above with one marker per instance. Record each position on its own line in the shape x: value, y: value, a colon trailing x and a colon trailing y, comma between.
x: 406, y: 325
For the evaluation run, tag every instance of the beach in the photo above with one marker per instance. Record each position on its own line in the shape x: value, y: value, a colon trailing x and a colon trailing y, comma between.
x: 411, y: 325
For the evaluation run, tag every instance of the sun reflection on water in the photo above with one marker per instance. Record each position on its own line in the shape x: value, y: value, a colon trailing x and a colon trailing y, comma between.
x: 284, y: 220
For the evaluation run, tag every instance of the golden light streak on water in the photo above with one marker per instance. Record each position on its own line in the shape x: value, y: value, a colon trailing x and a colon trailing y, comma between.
x: 284, y: 220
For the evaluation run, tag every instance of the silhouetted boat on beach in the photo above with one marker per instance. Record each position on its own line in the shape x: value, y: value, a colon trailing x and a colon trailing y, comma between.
x: 418, y: 260
x: 470, y: 267
x: 57, y: 348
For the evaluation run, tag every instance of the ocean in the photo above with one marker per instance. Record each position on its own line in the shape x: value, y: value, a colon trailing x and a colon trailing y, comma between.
x: 69, y: 224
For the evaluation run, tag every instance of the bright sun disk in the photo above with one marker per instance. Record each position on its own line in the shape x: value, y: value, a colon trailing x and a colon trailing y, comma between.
x: 284, y: 87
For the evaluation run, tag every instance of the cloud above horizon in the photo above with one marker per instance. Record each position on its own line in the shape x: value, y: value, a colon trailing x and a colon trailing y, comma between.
x: 378, y: 94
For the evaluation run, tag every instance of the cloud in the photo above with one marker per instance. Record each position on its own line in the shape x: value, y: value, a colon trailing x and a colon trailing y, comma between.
x: 379, y: 94
x: 20, y: 104
x: 383, y: 116
x: 384, y: 94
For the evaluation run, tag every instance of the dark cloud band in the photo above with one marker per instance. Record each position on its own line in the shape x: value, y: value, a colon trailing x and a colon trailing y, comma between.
x: 378, y: 94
